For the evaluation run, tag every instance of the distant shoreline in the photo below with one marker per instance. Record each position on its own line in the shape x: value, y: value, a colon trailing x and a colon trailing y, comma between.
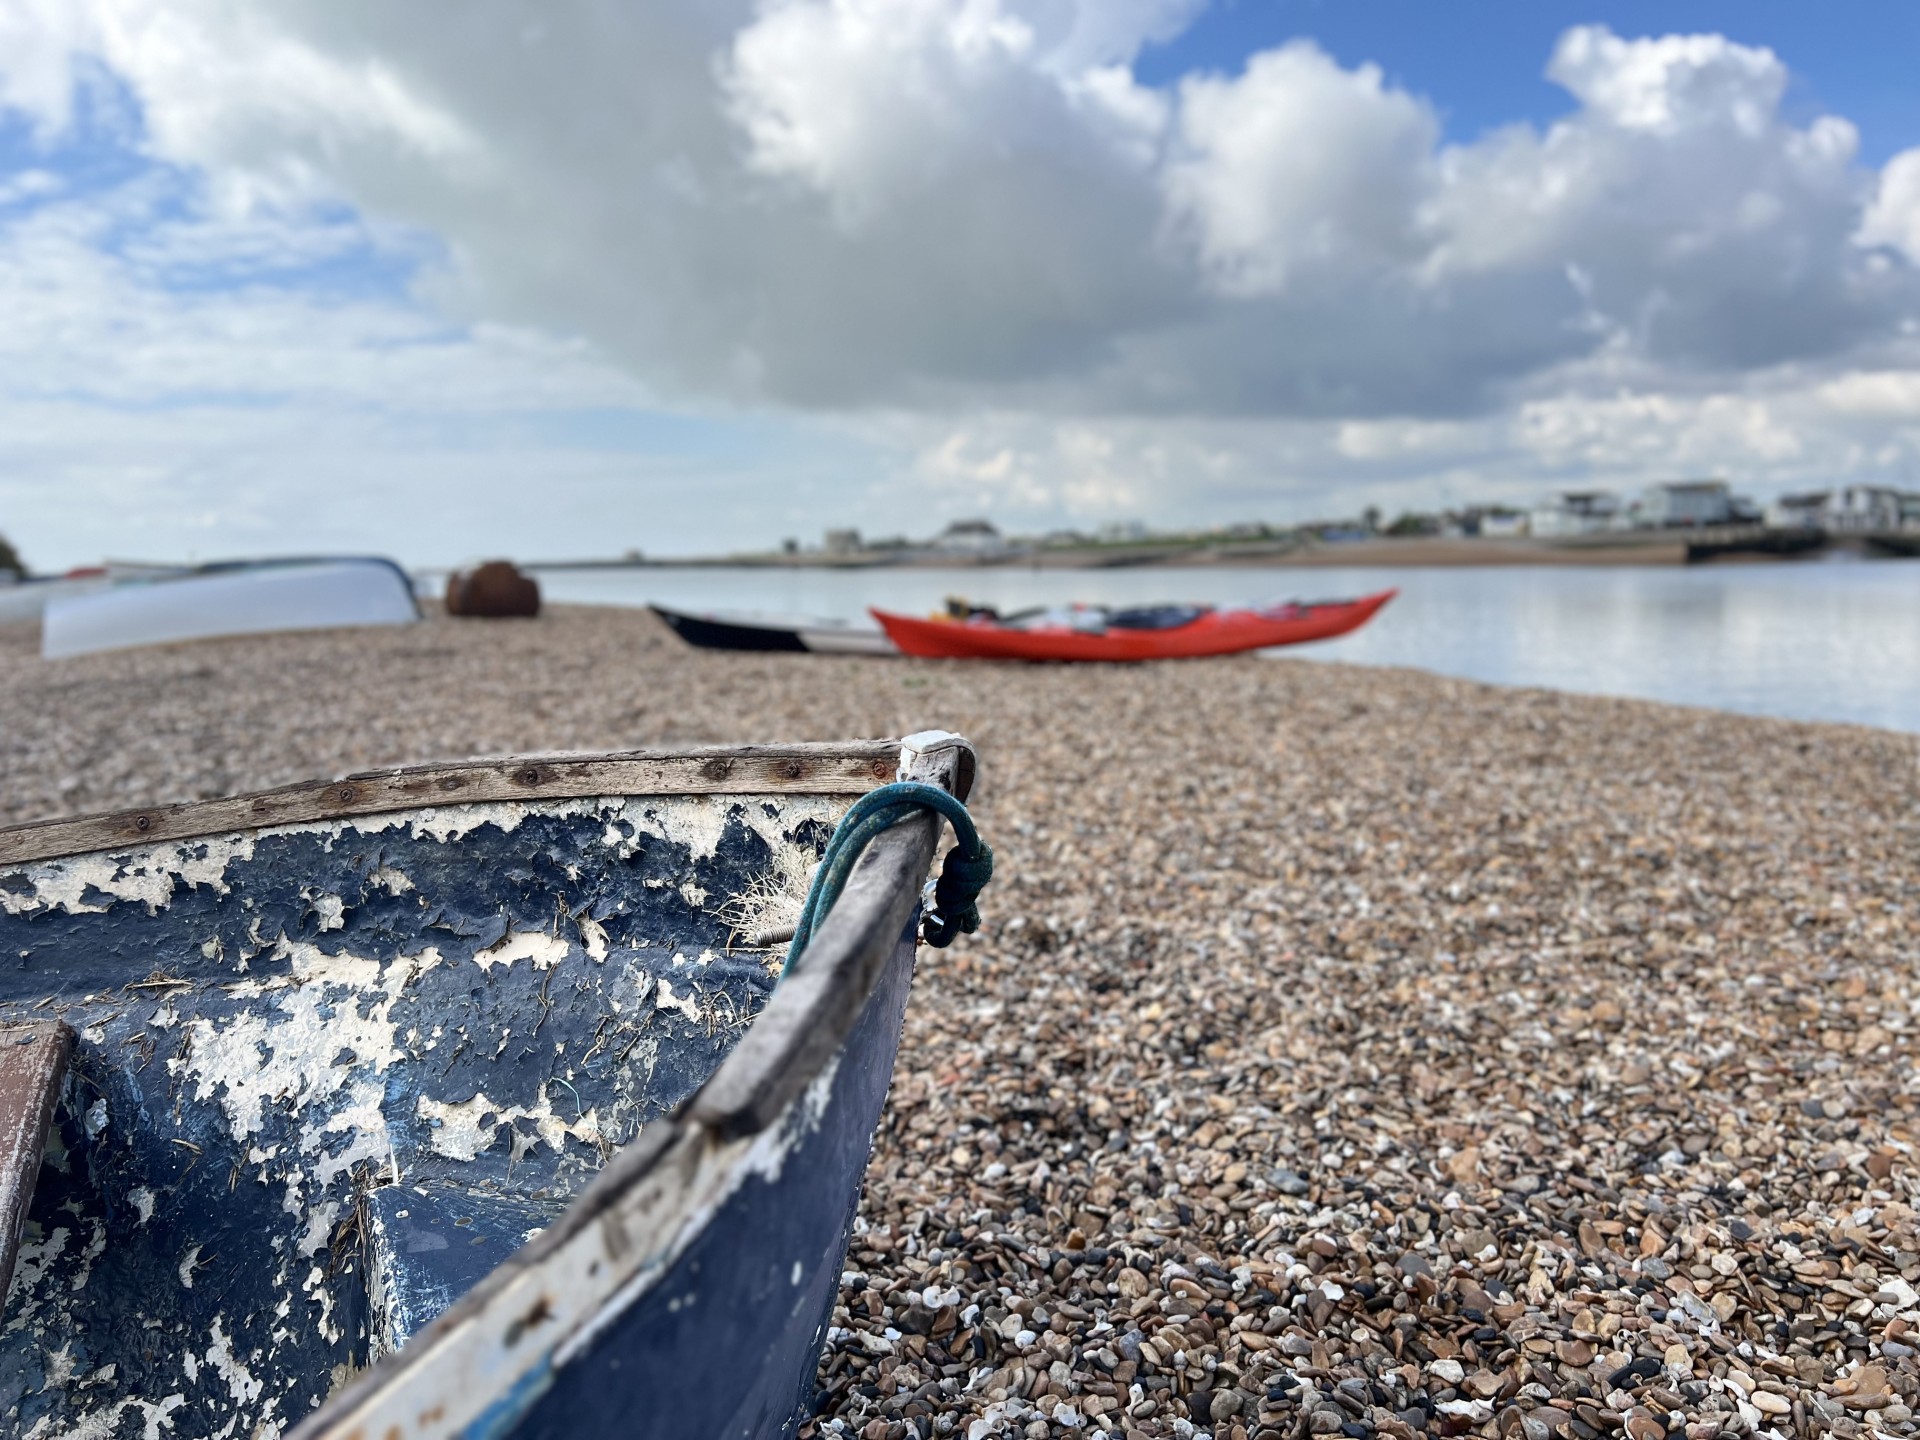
x: 1658, y: 549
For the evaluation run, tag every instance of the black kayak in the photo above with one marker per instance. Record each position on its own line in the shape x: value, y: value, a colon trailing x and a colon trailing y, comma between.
x: 752, y: 632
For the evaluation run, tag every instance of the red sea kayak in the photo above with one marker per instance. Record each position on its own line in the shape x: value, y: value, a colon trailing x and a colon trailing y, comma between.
x: 1213, y: 632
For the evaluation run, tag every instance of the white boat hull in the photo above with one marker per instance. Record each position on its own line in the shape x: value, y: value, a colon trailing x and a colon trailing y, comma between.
x: 846, y: 640
x: 28, y: 600
x: 317, y: 595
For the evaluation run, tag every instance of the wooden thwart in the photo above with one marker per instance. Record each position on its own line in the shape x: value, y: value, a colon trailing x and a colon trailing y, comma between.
x: 33, y: 1062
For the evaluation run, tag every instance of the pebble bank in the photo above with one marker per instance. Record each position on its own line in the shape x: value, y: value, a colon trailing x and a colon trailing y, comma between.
x: 1347, y: 1052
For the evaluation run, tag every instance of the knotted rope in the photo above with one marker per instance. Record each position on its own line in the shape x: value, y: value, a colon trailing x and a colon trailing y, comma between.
x: 968, y: 867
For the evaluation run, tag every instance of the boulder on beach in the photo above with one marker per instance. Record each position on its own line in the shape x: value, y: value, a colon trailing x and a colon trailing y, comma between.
x: 493, y: 591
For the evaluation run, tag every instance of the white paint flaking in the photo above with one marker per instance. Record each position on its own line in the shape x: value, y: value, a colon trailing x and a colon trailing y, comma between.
x: 465, y: 1130
x: 442, y: 823
x: 155, y: 1416
x: 332, y: 911
x: 147, y: 876
x: 285, y: 1052
x: 688, y: 1004
x: 320, y: 1222
x: 240, y: 1381
x: 594, y: 936
x: 151, y: 874
x: 544, y: 950
x: 36, y: 1257
x: 696, y: 822
x: 316, y: 1288
x: 96, y: 1247
x: 363, y: 1119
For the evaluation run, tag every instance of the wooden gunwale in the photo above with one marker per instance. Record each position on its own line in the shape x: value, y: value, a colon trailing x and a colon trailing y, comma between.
x: 845, y: 768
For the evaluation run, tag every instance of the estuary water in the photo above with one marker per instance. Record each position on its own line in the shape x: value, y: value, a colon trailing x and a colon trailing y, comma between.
x: 1822, y: 640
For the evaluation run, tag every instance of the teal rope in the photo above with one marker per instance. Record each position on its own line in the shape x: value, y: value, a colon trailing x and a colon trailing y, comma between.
x: 968, y: 867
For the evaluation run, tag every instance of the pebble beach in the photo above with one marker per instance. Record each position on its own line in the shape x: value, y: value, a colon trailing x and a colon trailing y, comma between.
x: 1345, y: 1052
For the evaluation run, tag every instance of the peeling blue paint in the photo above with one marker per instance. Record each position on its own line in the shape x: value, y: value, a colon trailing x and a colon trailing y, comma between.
x: 292, y: 1041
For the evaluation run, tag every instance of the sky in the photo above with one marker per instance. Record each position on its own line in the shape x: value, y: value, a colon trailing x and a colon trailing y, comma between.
x: 552, y: 278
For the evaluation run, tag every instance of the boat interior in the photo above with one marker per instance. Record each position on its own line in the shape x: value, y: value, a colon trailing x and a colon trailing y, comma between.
x: 317, y: 1079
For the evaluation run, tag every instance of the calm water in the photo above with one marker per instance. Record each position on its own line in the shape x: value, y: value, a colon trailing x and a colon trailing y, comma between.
x: 1816, y: 641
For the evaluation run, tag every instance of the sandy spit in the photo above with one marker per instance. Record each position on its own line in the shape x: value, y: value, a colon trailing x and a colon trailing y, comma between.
x: 1347, y: 1051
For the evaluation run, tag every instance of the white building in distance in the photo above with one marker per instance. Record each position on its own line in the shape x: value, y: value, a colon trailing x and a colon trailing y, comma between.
x: 842, y: 542
x: 1858, y: 508
x: 1851, y: 510
x: 971, y: 537
x: 1576, y: 512
x: 1806, y: 510
x: 1684, y: 503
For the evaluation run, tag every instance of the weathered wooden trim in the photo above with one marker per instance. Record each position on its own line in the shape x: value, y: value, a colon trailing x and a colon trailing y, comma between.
x: 787, y: 1048
x: 849, y: 768
x: 816, y: 1005
x: 33, y: 1062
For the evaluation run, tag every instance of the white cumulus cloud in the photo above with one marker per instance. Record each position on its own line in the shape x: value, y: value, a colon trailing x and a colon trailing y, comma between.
x: 931, y: 203
x: 968, y: 231
x: 1893, y: 218
x: 1298, y: 165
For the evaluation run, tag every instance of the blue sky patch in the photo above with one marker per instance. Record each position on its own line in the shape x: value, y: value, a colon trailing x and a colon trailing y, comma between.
x: 160, y: 218
x: 1483, y: 65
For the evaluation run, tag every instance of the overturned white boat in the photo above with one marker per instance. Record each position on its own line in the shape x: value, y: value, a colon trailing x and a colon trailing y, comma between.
x: 26, y: 600
x: 244, y: 598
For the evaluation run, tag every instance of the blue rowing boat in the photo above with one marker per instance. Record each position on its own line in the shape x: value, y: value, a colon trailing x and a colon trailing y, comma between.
x: 465, y: 1100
